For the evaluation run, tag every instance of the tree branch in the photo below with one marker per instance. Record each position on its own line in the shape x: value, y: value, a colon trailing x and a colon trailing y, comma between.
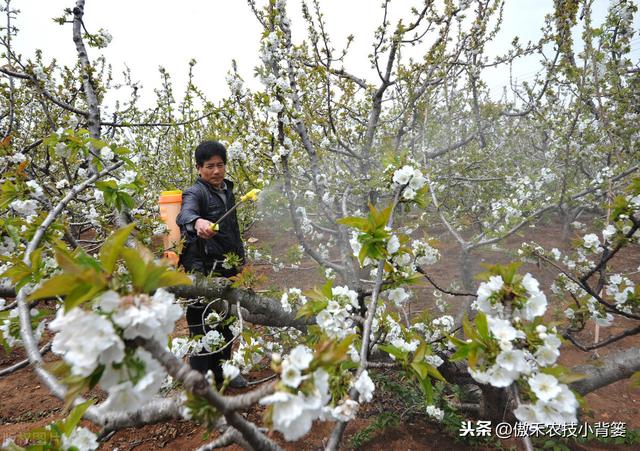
x: 618, y: 366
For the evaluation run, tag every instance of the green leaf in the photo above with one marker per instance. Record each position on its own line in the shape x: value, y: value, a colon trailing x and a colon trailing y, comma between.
x: 173, y: 278
x: 427, y: 388
x: 399, y: 354
x: 152, y: 279
x: 468, y: 329
x: 327, y: 289
x: 75, y: 416
x: 420, y: 353
x: 311, y: 308
x: 456, y: 341
x: 17, y: 272
x: 82, y: 292
x: 136, y: 266
x: 107, y: 186
x: 421, y: 369
x: 354, y: 222
x: 435, y: 373
x: 112, y: 247
x: 125, y: 199
x: 59, y: 285
x: 36, y: 260
x: 66, y: 261
x: 482, y: 326
x: 461, y: 353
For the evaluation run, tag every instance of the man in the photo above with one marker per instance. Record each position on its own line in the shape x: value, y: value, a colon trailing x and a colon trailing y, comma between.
x: 204, y: 251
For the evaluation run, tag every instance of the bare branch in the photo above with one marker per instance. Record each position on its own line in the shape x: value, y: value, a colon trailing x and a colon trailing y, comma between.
x: 23, y: 363
x: 612, y: 369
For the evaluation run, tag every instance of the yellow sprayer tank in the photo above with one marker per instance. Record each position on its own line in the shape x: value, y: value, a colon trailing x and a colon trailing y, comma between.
x: 170, y: 203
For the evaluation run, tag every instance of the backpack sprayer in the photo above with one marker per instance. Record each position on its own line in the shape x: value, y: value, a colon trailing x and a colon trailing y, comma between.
x: 170, y: 203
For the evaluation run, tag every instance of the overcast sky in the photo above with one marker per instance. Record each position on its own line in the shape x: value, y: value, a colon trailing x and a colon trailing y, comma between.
x: 151, y: 33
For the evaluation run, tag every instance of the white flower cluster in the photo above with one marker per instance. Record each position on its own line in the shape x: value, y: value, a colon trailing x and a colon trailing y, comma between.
x: 393, y: 245
x: 250, y: 352
x: 489, y: 298
x: 623, y: 291
x: 35, y: 188
x: 365, y: 387
x: 411, y: 176
x: 554, y: 401
x: 27, y: 208
x: 106, y: 153
x: 293, y: 413
x: 591, y: 242
x: 212, y: 341
x: 435, y: 413
x: 102, y: 38
x: 81, y: 439
x: 181, y: 346
x: 142, y: 316
x: 230, y: 371
x: 292, y: 299
x: 7, y: 246
x: 335, y: 320
x: 434, y: 331
x: 86, y: 339
x: 236, y: 152
x: 424, y: 253
x: 597, y: 312
x: 294, y: 364
x: 398, y: 296
x: 556, y: 404
x: 10, y: 330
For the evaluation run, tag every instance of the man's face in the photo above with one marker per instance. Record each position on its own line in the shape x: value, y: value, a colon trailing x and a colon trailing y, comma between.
x: 213, y: 170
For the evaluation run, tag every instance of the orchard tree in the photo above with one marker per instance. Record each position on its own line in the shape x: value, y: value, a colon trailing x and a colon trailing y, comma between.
x: 356, y: 161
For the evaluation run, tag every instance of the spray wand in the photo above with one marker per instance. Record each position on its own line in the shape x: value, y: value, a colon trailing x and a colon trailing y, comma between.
x: 251, y: 195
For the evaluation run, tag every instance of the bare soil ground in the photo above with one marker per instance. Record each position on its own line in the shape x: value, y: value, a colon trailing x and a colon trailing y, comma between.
x: 25, y: 404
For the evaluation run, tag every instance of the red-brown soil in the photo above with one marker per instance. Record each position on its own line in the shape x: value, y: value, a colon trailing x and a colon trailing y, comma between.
x: 25, y: 404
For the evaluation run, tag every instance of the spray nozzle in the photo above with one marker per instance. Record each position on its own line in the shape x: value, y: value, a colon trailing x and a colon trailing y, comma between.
x: 251, y: 195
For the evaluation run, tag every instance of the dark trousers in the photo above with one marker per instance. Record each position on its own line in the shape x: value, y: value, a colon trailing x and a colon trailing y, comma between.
x: 208, y: 361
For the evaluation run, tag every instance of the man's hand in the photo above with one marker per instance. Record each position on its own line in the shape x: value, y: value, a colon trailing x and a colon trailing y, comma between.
x: 205, y: 229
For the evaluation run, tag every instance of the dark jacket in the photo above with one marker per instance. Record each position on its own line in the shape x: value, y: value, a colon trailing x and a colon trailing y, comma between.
x: 201, y: 201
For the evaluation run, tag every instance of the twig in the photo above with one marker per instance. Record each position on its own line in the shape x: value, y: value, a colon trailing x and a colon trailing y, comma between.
x: 23, y: 363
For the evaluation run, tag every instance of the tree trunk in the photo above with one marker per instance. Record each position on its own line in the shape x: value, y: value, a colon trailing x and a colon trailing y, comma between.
x: 468, y: 285
x: 494, y: 404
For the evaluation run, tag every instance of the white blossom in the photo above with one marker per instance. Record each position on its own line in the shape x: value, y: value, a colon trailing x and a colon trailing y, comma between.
x: 127, y: 394
x: 346, y: 410
x: 82, y: 439
x: 403, y: 175
x: 85, y: 340
x: 501, y: 329
x: 485, y: 291
x: 230, y: 371
x: 398, y: 295
x: 393, y: 245
x: 300, y: 357
x: 435, y: 412
x: 591, y: 241
x: 147, y: 317
x: 365, y: 387
x: 27, y: 208
x: 291, y: 375
x: 106, y: 153
x: 544, y: 386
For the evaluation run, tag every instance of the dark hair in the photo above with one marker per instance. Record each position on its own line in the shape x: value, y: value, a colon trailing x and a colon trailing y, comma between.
x: 208, y: 149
